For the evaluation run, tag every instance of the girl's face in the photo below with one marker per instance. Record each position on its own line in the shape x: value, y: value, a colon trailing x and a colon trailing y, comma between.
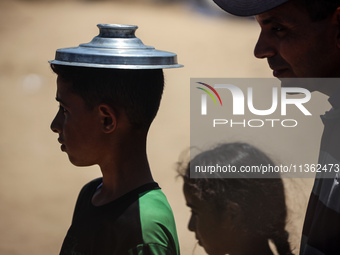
x: 213, y: 228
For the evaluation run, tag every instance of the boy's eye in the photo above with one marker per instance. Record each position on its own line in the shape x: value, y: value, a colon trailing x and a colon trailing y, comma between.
x: 62, y: 109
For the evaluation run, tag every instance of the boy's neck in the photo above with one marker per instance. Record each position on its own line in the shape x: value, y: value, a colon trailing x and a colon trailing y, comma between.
x: 126, y: 169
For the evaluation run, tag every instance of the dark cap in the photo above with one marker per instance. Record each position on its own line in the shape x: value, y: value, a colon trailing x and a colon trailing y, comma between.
x: 248, y: 7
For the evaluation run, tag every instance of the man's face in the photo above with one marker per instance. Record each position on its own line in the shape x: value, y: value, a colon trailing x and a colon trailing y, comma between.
x: 78, y: 127
x: 295, y: 46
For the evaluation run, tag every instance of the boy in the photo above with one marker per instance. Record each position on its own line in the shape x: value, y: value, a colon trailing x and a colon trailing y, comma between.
x: 104, y: 116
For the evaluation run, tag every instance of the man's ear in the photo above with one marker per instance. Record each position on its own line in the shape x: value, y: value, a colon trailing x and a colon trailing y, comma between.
x: 108, y: 118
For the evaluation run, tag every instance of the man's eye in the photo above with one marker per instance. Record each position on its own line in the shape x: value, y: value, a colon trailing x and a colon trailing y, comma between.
x: 277, y: 28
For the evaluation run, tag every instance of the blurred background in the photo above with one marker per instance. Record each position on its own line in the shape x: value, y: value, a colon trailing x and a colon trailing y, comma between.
x: 38, y: 185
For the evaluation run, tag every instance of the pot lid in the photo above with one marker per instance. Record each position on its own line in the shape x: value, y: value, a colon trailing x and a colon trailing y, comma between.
x: 116, y: 46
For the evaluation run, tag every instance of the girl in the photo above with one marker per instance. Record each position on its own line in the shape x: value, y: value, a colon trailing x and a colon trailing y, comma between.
x: 236, y: 216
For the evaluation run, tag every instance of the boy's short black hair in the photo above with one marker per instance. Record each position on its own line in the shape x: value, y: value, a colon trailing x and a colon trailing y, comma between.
x: 138, y: 92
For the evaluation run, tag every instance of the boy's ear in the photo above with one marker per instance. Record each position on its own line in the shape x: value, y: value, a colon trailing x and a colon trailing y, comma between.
x: 108, y: 118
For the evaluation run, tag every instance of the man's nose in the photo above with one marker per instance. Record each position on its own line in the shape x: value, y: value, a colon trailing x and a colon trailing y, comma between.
x: 265, y: 47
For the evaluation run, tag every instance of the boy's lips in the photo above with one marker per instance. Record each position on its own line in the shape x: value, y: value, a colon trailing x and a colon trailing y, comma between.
x: 62, y: 147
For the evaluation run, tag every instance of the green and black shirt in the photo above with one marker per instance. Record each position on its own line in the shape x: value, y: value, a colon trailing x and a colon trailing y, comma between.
x: 139, y: 222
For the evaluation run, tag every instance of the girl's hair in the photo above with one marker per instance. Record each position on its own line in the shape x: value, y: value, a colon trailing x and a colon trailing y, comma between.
x: 262, y: 201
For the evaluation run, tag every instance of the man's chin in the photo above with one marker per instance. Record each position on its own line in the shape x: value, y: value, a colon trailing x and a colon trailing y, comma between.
x: 288, y: 82
x: 306, y: 83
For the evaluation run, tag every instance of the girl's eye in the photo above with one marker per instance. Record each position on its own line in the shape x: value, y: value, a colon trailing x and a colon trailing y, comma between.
x: 193, y: 213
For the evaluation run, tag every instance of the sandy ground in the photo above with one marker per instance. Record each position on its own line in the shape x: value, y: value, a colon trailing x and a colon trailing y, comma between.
x: 38, y: 186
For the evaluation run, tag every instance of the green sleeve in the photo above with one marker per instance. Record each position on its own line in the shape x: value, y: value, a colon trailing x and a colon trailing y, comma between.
x: 157, y: 224
x: 151, y: 249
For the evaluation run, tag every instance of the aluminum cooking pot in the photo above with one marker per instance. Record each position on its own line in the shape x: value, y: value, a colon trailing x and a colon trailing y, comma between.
x: 116, y: 46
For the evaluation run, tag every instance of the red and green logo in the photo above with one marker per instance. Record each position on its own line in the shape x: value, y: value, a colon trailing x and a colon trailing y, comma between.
x: 209, y: 93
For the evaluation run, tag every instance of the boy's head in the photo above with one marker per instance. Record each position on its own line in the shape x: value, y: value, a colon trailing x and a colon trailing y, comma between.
x: 102, y: 110
x: 137, y: 92
x: 109, y: 92
x: 117, y: 69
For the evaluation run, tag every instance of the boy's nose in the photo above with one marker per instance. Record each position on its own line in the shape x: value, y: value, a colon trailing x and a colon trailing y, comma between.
x: 55, y: 125
x: 264, y: 47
